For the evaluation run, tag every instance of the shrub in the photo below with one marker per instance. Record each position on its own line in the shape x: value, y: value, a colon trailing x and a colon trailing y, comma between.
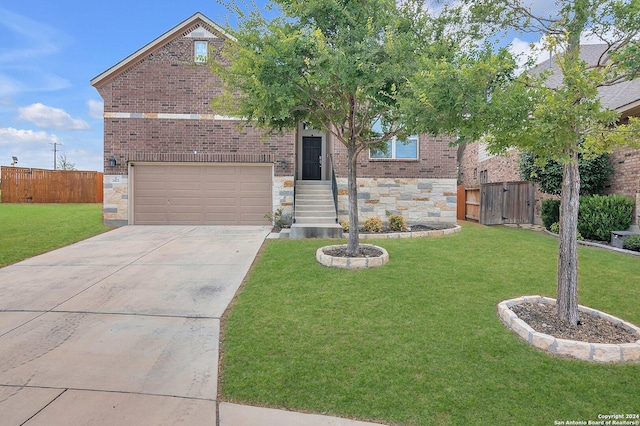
x: 594, y: 173
x: 345, y: 225
x: 373, y: 224
x: 397, y: 223
x: 550, y: 213
x: 278, y: 219
x: 555, y: 228
x: 599, y: 215
x: 632, y: 242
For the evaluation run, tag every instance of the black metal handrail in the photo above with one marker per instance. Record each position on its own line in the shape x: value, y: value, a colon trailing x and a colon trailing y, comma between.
x: 295, y: 175
x: 334, y: 186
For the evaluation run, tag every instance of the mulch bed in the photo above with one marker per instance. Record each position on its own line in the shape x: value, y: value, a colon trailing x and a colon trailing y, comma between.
x: 543, y: 319
x: 362, y: 252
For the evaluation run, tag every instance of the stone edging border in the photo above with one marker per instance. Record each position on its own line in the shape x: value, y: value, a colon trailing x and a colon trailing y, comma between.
x: 594, y: 352
x: 602, y: 246
x: 417, y: 234
x: 351, y: 262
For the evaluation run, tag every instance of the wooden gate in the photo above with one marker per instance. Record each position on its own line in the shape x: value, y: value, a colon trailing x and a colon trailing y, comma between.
x: 507, y: 202
x: 25, y: 185
x: 468, y: 203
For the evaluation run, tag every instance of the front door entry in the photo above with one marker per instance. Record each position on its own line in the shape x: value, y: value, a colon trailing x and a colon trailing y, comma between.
x: 311, y: 158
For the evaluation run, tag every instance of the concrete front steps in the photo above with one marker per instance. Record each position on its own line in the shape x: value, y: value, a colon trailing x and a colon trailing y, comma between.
x: 315, y: 211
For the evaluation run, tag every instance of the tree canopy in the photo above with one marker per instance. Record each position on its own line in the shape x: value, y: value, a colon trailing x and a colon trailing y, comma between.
x: 348, y: 67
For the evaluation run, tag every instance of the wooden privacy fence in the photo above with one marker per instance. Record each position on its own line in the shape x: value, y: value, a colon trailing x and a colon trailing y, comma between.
x: 498, y: 203
x: 24, y: 185
x: 468, y: 203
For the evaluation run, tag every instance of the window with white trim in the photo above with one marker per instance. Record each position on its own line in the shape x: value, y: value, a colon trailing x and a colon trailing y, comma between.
x: 200, y: 52
x: 397, y: 149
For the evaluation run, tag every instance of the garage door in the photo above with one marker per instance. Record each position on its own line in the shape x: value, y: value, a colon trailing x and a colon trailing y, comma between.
x: 201, y: 194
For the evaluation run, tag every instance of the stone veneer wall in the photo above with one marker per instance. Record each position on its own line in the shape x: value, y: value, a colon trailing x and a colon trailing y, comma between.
x: 116, y: 200
x: 283, y: 195
x: 418, y: 200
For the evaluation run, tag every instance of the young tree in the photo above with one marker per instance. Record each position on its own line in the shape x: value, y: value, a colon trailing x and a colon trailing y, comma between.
x: 566, y: 119
x: 342, y: 66
x: 64, y: 163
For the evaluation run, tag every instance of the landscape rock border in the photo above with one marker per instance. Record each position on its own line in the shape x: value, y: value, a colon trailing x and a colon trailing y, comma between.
x: 410, y: 234
x: 594, y: 352
x: 351, y: 262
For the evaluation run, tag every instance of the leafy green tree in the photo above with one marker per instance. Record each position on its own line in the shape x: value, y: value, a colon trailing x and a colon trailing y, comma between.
x: 594, y: 173
x: 346, y: 66
x: 565, y: 120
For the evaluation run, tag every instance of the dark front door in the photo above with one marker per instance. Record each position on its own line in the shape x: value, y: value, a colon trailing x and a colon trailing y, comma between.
x: 311, y: 158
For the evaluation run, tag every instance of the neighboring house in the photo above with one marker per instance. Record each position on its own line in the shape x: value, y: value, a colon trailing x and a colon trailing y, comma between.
x: 476, y: 166
x: 169, y: 160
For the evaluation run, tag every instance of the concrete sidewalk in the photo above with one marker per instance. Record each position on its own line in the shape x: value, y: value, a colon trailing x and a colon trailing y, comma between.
x: 123, y: 329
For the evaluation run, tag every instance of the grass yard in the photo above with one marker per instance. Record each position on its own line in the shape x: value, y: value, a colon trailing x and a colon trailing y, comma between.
x: 418, y: 341
x: 27, y: 230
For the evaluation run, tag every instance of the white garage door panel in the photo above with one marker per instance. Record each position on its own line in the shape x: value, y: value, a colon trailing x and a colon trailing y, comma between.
x: 199, y: 194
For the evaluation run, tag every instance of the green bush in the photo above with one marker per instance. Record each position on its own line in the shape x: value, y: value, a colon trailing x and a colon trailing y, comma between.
x: 397, y: 223
x: 278, y: 218
x: 632, y: 242
x: 599, y: 215
x: 345, y: 225
x: 555, y: 228
x: 373, y: 224
x: 594, y: 173
x: 550, y: 212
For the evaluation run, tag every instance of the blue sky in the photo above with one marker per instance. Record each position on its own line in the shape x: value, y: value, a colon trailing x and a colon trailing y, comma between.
x: 48, y: 53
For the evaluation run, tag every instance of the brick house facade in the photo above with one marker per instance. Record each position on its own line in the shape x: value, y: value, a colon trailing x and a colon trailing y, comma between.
x: 161, y: 141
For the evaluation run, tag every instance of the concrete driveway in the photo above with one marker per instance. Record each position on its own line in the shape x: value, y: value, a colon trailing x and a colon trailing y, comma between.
x: 122, y: 328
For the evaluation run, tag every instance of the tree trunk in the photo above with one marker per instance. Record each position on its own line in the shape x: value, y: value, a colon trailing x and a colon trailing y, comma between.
x: 354, y: 235
x: 567, y: 305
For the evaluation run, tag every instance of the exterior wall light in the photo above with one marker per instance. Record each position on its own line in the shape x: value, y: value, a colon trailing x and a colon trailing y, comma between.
x: 112, y: 161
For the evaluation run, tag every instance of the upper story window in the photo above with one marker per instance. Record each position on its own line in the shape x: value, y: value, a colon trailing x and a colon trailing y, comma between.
x: 398, y: 149
x: 395, y: 149
x: 201, y: 52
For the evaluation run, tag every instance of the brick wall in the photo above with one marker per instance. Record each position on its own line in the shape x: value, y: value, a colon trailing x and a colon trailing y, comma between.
x: 625, y: 179
x: 193, y: 140
x: 436, y: 160
x: 501, y: 168
x: 161, y: 105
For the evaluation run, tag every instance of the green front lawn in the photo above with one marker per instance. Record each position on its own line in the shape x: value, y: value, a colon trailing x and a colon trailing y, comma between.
x: 418, y: 341
x: 27, y: 230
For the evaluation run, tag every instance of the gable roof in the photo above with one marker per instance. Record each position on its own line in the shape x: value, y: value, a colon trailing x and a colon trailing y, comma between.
x: 196, y: 26
x: 623, y: 97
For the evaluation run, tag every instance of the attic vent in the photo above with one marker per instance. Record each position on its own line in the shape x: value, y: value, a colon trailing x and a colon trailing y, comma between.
x: 199, y: 31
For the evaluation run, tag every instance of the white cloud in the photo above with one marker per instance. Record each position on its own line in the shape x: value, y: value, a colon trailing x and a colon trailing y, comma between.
x: 39, y: 38
x: 11, y: 136
x: 48, y: 117
x: 96, y: 108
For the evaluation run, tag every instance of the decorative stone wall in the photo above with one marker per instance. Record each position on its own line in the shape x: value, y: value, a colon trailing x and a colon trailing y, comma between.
x: 283, y: 195
x: 116, y: 200
x: 417, y: 200
x: 596, y: 352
